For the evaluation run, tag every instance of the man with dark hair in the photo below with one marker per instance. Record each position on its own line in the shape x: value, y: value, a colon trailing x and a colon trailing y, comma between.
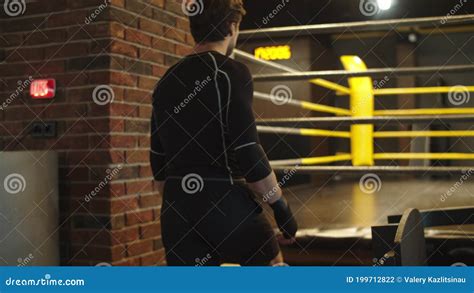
x: 204, y: 143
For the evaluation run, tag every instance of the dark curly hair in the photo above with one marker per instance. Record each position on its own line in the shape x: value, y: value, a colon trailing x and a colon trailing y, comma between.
x: 211, y: 20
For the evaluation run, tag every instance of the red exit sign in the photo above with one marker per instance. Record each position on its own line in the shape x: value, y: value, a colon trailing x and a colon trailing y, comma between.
x: 43, y: 89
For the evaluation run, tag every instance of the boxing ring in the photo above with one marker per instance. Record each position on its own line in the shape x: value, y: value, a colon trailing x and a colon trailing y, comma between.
x: 336, y: 220
x: 361, y: 94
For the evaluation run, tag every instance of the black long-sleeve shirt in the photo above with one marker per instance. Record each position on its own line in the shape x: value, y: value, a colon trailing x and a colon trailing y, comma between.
x: 203, y: 119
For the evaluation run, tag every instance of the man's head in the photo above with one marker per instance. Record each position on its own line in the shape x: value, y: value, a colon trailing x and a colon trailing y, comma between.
x: 217, y: 21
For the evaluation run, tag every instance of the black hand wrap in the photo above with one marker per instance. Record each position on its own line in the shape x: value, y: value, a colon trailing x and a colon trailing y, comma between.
x: 284, y: 218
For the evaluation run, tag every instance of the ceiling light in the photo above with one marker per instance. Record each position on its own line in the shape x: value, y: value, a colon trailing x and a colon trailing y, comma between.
x: 384, y: 4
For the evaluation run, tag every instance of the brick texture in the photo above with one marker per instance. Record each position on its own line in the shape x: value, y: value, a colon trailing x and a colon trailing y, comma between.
x: 109, y: 204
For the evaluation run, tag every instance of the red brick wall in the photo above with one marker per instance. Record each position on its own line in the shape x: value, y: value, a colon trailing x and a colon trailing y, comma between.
x: 89, y: 45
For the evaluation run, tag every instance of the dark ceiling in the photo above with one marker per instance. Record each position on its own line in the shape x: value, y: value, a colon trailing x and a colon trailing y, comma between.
x: 297, y: 12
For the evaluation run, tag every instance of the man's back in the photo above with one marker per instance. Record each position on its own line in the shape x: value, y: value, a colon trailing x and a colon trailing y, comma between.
x: 202, y: 111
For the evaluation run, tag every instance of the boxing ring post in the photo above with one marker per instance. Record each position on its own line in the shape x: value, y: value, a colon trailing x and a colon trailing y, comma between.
x: 362, y: 105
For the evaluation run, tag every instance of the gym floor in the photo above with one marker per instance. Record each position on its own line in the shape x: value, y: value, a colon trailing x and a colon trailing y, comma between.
x: 344, y: 205
x: 335, y: 219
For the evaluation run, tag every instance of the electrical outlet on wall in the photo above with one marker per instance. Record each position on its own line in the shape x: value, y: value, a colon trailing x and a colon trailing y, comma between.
x: 43, y: 129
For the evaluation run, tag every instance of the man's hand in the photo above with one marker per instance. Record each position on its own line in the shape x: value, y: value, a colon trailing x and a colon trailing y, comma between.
x: 283, y: 241
x: 285, y: 220
x: 271, y: 193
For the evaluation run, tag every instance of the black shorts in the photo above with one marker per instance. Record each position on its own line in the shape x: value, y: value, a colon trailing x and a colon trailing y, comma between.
x: 220, y: 223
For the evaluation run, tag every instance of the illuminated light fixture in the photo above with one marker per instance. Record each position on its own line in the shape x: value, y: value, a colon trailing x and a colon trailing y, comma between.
x: 43, y: 89
x: 273, y: 52
x: 384, y: 4
x: 412, y: 38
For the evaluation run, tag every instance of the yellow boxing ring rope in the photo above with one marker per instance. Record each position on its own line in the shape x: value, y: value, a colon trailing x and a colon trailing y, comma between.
x: 376, y: 156
x: 377, y: 134
x: 433, y: 111
x: 362, y: 136
x: 304, y: 104
x: 419, y: 90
